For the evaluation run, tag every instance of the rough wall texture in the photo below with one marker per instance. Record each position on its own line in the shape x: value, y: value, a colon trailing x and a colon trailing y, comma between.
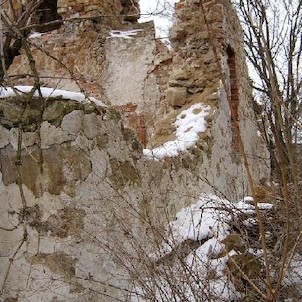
x: 118, y: 69
x: 81, y: 181
x: 209, y: 67
x: 73, y: 177
x: 107, y: 12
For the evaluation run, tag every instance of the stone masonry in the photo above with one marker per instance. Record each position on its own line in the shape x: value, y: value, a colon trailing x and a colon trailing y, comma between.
x: 75, y: 187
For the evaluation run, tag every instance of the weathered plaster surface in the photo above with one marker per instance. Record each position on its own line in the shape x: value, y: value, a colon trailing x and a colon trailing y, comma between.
x: 76, y: 184
x: 89, y: 185
x: 62, y: 201
x: 128, y: 76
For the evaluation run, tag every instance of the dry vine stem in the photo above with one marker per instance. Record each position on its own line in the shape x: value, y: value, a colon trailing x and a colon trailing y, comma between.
x: 267, y: 41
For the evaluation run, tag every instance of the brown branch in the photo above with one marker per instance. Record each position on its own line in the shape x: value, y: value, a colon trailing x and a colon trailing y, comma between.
x: 8, y: 229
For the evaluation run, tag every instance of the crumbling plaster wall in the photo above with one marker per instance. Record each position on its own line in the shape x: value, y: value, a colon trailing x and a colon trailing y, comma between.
x: 129, y: 75
x: 201, y: 36
x: 118, y: 66
x: 66, y: 197
x: 82, y: 172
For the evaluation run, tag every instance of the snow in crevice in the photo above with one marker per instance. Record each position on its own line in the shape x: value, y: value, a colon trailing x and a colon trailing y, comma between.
x: 189, y: 124
x: 35, y: 35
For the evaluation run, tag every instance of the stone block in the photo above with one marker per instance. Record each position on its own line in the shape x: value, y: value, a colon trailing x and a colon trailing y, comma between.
x: 89, y: 8
x: 51, y: 135
x: 28, y: 138
x: 180, y: 5
x: 94, y: 2
x: 62, y: 3
x: 181, y: 83
x: 180, y: 74
x: 4, y: 137
x: 62, y: 10
x: 176, y: 96
x: 72, y: 122
x: 90, y: 125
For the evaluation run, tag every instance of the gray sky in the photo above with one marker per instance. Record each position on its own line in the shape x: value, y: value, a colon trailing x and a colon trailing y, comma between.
x: 156, y: 9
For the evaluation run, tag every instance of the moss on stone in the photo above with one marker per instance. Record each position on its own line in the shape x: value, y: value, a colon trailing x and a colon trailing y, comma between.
x: 31, y: 111
x: 113, y: 113
x: 13, y: 112
x: 90, y: 108
x: 58, y: 262
x: 123, y: 172
x: 56, y: 109
x: 102, y: 140
x: 130, y: 136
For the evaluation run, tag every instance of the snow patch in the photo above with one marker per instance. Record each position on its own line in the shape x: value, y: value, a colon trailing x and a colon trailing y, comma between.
x: 35, y: 35
x: 48, y: 92
x: 125, y: 34
x: 206, y: 219
x: 208, y: 222
x: 189, y: 123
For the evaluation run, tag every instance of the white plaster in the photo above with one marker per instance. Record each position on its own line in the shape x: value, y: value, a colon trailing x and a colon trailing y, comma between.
x: 129, y: 62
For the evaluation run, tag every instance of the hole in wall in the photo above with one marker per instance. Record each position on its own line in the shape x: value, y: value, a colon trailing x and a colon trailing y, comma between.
x: 130, y: 10
x: 233, y: 96
x: 45, y: 13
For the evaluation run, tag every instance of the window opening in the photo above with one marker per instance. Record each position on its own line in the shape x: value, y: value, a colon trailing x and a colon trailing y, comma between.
x: 130, y: 10
x: 47, y: 12
x: 233, y: 96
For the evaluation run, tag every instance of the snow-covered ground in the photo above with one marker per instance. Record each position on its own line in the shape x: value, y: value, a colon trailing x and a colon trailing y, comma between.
x: 203, y: 274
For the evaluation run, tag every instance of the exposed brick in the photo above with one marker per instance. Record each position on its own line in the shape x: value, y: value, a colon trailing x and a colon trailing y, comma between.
x: 134, y: 121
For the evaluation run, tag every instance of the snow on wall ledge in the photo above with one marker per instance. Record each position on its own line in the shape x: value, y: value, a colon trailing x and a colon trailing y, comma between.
x: 47, y: 92
x: 189, y: 123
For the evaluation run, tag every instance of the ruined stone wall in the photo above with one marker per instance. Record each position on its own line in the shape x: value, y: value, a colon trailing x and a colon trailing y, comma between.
x: 209, y: 67
x: 105, y: 58
x: 68, y: 59
x: 72, y: 56
x: 124, y: 9
x: 88, y: 8
x: 74, y: 182
x: 112, y: 12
